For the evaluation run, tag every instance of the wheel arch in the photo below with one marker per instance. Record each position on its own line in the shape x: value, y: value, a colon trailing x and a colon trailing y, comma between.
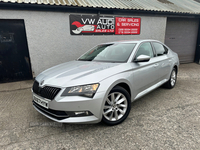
x: 109, y: 85
x: 125, y: 90
x: 176, y: 67
x: 125, y: 86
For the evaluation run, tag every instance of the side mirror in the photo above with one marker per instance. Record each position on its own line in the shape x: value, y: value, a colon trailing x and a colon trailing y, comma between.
x: 142, y: 58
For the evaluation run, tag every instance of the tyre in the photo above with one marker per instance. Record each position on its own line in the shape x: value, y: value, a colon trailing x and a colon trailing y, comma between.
x: 172, y: 80
x: 117, y: 106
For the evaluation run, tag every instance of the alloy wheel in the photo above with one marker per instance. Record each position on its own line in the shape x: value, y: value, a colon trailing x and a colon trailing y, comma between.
x: 173, y: 78
x: 115, y: 106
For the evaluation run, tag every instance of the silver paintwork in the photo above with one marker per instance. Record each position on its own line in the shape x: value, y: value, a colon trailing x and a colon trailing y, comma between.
x: 142, y: 58
x: 141, y: 78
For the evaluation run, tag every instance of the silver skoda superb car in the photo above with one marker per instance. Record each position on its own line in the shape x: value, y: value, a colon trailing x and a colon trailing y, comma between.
x: 101, y: 84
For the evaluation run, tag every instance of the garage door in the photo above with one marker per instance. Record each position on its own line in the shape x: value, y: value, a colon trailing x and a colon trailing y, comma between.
x: 14, y: 55
x: 181, y: 37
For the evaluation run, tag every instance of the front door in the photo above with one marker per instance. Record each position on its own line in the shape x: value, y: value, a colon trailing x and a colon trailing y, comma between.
x: 146, y: 74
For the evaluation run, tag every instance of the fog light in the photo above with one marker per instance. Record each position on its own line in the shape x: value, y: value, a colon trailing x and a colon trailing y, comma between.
x: 83, y: 113
x: 79, y: 113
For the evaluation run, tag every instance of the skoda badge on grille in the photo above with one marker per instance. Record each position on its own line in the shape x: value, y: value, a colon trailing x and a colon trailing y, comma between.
x: 42, y: 82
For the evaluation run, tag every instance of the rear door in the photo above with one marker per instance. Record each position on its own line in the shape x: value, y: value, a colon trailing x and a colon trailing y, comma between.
x: 163, y: 61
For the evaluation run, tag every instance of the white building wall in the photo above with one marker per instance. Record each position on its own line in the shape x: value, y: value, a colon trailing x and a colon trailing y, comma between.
x: 50, y: 42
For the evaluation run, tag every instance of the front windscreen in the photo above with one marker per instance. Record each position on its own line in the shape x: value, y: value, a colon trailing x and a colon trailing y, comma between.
x: 119, y: 52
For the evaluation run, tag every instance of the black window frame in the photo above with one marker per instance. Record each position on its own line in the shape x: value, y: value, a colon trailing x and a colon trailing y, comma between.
x: 165, y: 48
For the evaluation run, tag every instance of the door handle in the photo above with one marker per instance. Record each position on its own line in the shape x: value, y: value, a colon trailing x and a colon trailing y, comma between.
x: 170, y: 61
x: 156, y: 65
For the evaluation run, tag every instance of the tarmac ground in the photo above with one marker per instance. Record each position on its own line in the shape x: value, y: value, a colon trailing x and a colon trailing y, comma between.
x: 163, y: 119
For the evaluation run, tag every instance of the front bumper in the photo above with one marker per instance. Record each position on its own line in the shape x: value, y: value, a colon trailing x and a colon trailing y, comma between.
x: 59, y: 107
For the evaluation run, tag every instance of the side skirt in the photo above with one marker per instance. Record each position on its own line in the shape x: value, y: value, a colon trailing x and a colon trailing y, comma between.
x: 150, y: 89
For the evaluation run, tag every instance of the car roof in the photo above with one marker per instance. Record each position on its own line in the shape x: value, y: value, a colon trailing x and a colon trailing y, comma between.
x: 131, y: 41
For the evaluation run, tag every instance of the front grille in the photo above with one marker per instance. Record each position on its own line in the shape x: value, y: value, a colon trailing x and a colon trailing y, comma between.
x: 46, y: 92
x: 59, y: 115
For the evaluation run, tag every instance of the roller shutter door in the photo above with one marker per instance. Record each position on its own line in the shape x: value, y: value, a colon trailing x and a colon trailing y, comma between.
x: 181, y: 37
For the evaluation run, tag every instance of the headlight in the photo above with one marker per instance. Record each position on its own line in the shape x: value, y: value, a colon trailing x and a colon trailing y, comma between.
x: 82, y: 90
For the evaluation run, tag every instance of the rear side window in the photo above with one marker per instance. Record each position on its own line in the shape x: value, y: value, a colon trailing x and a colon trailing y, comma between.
x: 166, y: 49
x: 160, y: 49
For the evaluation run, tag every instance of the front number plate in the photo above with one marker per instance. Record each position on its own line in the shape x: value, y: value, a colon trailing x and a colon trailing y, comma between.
x: 40, y: 101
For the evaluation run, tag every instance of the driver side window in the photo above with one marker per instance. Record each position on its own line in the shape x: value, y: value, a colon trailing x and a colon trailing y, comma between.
x: 145, y: 49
